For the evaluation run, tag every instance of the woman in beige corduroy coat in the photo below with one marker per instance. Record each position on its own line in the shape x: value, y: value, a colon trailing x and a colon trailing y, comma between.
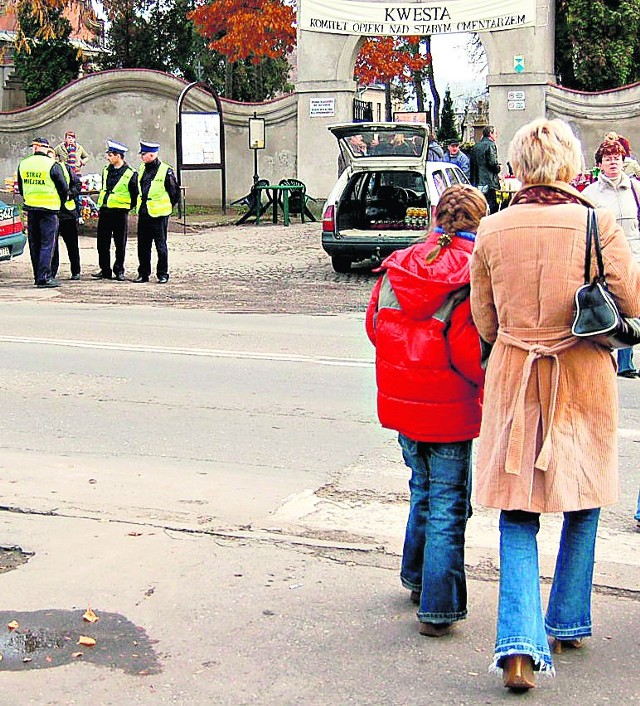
x: 548, y: 436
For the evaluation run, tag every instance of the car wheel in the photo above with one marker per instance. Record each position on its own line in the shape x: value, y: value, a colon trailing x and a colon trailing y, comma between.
x: 341, y: 263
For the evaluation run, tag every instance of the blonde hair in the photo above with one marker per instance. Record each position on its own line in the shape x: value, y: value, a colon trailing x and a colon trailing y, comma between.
x: 544, y: 151
x: 460, y: 208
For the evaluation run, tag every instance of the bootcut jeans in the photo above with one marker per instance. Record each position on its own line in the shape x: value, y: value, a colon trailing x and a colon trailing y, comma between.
x: 433, y: 554
x: 625, y: 360
x: 521, y: 626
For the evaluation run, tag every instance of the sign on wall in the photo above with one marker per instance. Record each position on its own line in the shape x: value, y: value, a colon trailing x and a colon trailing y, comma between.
x: 200, y: 133
x: 415, y: 18
x: 322, y: 107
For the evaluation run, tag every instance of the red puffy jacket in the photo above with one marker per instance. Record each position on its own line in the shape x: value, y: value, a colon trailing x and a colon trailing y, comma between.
x: 427, y: 367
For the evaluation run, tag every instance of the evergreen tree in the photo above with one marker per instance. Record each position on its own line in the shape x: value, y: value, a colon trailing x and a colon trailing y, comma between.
x: 448, y: 129
x: 45, y: 65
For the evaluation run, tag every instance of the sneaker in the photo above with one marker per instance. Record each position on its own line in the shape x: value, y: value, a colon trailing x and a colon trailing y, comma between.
x: 49, y: 283
x: 75, y: 277
x: 100, y: 275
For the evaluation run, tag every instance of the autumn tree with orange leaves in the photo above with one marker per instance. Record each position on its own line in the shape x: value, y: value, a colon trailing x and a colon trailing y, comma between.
x: 253, y: 37
x: 390, y: 60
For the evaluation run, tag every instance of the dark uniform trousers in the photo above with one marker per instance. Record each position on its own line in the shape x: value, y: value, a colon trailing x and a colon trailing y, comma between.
x: 112, y: 223
x: 150, y: 231
x: 43, y: 229
x: 68, y: 231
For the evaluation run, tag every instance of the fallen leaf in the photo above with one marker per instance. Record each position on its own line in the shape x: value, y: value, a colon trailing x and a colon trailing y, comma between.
x: 90, y: 616
x: 86, y: 641
x: 92, y: 480
x: 135, y: 534
x: 76, y: 654
x: 13, y: 625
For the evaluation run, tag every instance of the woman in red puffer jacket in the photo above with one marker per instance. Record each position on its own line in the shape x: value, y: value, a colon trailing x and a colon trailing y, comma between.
x: 429, y: 376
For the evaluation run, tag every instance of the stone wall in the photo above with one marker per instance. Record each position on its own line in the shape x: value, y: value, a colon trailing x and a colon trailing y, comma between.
x: 592, y: 115
x: 133, y: 104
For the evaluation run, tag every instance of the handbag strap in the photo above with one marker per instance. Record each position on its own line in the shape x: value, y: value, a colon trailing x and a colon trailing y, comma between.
x: 587, y: 252
x: 592, y: 233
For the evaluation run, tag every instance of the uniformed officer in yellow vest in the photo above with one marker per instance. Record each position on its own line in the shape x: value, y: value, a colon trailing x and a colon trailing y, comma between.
x: 43, y: 188
x: 117, y: 197
x: 159, y: 193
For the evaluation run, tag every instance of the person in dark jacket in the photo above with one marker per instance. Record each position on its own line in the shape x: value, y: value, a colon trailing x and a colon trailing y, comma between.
x: 42, y: 185
x: 429, y: 373
x: 117, y: 197
x: 68, y: 225
x: 485, y: 167
x: 159, y: 193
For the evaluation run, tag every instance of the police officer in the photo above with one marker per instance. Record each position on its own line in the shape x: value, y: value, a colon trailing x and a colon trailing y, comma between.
x: 117, y: 197
x: 159, y: 193
x: 68, y: 224
x: 42, y: 184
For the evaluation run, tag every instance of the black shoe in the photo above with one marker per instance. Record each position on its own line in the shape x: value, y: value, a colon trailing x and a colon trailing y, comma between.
x: 100, y: 275
x: 120, y: 276
x: 628, y: 374
x: 75, y: 277
x: 140, y: 279
x: 163, y: 280
x: 415, y: 597
x: 49, y: 283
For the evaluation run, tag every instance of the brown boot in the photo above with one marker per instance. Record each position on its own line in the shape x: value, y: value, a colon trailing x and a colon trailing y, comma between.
x: 434, y: 629
x: 517, y: 672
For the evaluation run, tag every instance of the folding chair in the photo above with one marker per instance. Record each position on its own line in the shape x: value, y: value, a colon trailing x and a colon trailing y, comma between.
x: 298, y: 199
x: 253, y: 201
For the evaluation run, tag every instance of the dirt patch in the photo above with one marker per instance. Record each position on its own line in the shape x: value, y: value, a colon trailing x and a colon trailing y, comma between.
x: 248, y: 268
x: 12, y: 557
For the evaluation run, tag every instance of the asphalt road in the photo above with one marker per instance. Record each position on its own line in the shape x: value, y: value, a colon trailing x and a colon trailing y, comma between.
x: 214, y: 483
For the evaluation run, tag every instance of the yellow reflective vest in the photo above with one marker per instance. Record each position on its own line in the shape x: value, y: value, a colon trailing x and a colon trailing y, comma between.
x: 158, y: 201
x: 38, y: 188
x: 69, y: 204
x: 120, y: 196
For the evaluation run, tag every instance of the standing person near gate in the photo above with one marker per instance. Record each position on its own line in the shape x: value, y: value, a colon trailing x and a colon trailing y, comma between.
x: 485, y: 167
x: 117, y: 197
x: 159, y: 193
x: 68, y: 224
x: 42, y: 184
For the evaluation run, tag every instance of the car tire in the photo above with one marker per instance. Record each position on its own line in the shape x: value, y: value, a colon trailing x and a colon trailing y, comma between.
x: 341, y: 263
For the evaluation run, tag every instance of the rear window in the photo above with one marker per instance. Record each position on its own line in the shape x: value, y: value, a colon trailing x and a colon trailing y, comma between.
x: 385, y: 144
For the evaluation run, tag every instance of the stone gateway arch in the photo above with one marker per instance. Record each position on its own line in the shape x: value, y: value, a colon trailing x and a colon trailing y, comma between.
x: 518, y: 37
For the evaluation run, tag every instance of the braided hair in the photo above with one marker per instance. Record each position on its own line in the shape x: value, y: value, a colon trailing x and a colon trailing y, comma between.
x: 460, y: 208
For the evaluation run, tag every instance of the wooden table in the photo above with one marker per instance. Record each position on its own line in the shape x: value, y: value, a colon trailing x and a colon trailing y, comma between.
x: 285, y: 190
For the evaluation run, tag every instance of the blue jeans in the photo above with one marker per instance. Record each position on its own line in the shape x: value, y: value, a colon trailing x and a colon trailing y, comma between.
x: 521, y: 627
x: 433, y: 554
x: 625, y: 359
x: 637, y: 515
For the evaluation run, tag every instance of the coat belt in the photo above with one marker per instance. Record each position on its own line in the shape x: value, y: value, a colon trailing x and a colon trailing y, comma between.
x: 516, y: 445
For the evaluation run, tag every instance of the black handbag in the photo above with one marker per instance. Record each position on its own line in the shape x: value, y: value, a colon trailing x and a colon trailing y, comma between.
x: 596, y: 313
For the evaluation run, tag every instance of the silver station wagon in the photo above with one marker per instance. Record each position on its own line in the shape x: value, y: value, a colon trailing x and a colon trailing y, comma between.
x: 385, y: 196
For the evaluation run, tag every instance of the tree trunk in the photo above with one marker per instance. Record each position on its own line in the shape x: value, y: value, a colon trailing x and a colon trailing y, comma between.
x: 419, y: 89
x: 432, y: 86
x: 387, y: 101
x: 228, y: 79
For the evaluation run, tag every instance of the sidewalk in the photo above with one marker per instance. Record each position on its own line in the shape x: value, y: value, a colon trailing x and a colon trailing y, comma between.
x: 267, y: 621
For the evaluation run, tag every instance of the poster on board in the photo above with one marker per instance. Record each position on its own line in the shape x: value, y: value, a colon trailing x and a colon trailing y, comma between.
x: 201, y: 139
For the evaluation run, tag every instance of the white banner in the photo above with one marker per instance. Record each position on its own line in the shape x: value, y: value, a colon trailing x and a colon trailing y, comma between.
x: 375, y: 18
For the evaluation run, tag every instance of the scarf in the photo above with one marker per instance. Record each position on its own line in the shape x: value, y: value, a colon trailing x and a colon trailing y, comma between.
x: 547, y: 194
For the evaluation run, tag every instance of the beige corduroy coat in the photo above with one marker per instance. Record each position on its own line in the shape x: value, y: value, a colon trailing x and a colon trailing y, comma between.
x: 548, y: 440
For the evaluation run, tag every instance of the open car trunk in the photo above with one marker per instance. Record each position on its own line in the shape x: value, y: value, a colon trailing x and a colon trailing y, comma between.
x: 392, y: 203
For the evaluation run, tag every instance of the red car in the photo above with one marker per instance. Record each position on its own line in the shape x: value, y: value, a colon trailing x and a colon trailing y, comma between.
x: 12, y: 239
